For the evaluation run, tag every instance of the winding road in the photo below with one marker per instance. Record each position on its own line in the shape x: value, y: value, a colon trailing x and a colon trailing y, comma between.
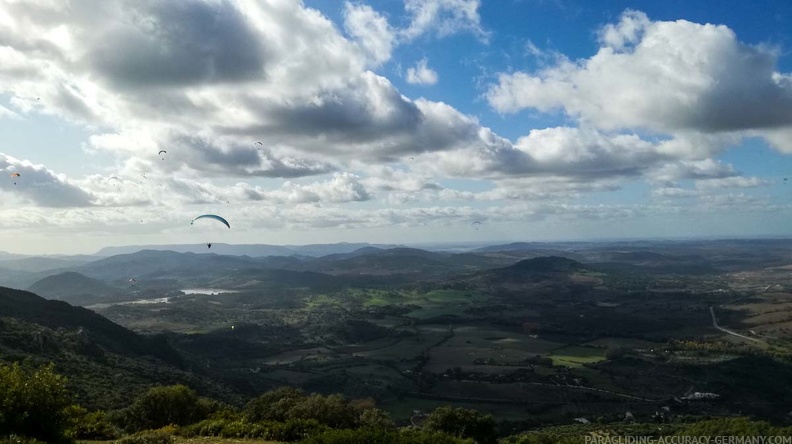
x: 715, y: 324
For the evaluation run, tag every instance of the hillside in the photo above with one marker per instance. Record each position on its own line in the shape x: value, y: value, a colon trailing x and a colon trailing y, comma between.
x: 107, y: 364
x: 73, y: 288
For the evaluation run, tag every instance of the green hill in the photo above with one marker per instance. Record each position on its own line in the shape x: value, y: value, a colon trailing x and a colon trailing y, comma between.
x: 74, y: 288
x: 107, y: 364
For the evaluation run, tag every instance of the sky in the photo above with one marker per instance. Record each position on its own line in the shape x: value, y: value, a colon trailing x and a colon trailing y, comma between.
x: 397, y: 121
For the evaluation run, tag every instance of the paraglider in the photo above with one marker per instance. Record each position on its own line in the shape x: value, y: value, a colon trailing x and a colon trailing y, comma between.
x: 260, y: 143
x: 132, y: 281
x: 15, y: 175
x: 161, y: 152
x: 212, y: 216
x: 476, y: 224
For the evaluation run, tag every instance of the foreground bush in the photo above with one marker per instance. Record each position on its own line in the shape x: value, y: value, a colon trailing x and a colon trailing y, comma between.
x: 288, y: 431
x: 148, y: 437
x: 32, y: 402
x: 83, y: 424
x: 463, y: 423
x: 372, y: 436
x: 160, y: 406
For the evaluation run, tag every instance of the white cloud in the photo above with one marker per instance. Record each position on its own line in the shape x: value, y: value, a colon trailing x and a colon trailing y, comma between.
x: 421, y: 74
x: 6, y: 113
x: 702, y: 79
x: 444, y: 17
x: 731, y: 182
x: 39, y: 185
x: 674, y: 192
x: 371, y: 31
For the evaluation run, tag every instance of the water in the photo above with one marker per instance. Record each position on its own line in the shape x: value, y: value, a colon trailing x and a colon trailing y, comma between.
x: 209, y: 291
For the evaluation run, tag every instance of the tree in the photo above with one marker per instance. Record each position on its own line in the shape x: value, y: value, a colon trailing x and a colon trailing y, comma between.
x: 333, y: 411
x: 463, y: 423
x: 273, y: 405
x: 33, y: 402
x: 161, y: 406
x: 376, y: 419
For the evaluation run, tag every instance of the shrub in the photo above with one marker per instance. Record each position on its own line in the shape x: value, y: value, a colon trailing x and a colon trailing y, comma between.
x: 371, y: 436
x: 33, y: 402
x: 83, y: 424
x: 463, y: 423
x: 148, y: 437
x: 376, y: 419
x: 333, y: 411
x: 295, y: 430
x: 273, y: 405
x: 160, y: 406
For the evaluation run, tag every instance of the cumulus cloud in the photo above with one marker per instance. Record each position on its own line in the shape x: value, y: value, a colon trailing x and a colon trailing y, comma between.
x: 370, y: 30
x: 731, y: 182
x: 674, y: 192
x: 40, y: 185
x: 421, y: 74
x: 703, y: 79
x: 444, y: 17
x: 343, y: 187
x: 562, y: 151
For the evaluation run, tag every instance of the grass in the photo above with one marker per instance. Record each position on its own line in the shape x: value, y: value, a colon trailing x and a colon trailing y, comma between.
x: 576, y: 356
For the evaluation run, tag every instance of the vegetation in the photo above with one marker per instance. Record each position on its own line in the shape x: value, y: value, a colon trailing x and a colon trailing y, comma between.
x: 540, y: 345
x: 33, y: 402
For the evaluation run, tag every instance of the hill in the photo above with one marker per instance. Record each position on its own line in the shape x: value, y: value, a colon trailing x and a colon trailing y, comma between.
x: 547, y: 264
x: 107, y: 364
x: 74, y: 288
x: 252, y: 250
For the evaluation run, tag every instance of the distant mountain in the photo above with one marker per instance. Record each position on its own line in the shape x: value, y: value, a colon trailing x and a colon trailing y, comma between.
x: 17, y: 278
x: 549, y: 264
x: 153, y: 264
x: 37, y: 264
x: 73, y: 288
x: 252, y: 250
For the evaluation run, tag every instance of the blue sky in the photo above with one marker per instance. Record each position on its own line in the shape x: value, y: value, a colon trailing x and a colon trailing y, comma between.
x: 392, y: 121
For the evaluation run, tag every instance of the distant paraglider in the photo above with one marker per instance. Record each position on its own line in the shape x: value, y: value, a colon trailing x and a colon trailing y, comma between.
x: 15, y: 175
x: 212, y: 216
x: 161, y: 152
x: 476, y: 224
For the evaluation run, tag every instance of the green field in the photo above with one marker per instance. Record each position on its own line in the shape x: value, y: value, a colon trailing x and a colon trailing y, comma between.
x: 576, y: 356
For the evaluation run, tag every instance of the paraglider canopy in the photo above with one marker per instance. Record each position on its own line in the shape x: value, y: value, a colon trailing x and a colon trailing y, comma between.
x: 212, y: 216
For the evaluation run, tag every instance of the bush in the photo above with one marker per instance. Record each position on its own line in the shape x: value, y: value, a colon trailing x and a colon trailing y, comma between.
x: 207, y: 427
x: 333, y: 411
x: 463, y: 423
x: 33, y: 402
x: 160, y: 406
x: 371, y: 436
x: 273, y: 405
x: 291, y: 430
x: 148, y: 437
x: 376, y: 419
x: 295, y: 430
x: 13, y: 439
x: 83, y: 424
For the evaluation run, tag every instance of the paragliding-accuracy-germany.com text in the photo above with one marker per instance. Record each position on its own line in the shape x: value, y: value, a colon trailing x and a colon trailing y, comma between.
x: 688, y: 440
